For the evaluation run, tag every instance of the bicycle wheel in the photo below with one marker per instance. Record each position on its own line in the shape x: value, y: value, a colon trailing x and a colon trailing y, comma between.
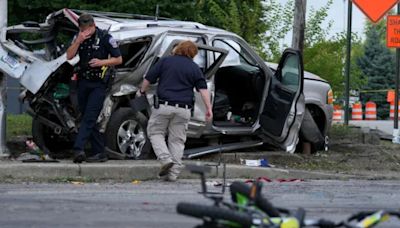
x: 214, y: 213
x: 261, y: 202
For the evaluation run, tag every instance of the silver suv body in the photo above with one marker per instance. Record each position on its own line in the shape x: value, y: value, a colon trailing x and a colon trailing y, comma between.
x: 249, y: 98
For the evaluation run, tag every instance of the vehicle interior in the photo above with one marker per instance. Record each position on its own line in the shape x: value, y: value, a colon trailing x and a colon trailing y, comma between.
x: 239, y: 85
x: 133, y: 52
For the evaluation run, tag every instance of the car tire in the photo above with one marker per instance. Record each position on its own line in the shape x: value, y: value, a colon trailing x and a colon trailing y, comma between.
x: 311, y: 138
x: 126, y: 135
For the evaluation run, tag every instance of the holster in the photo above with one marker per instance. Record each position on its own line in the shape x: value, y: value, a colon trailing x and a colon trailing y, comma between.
x: 156, y: 101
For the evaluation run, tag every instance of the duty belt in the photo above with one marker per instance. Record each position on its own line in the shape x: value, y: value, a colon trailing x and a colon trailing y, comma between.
x: 94, y: 74
x: 178, y: 105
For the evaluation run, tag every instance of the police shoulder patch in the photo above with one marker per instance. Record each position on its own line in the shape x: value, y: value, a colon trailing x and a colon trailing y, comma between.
x: 113, y: 42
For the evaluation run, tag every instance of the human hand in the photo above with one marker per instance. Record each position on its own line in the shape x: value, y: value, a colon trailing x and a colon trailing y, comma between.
x: 82, y: 36
x: 209, y: 115
x: 138, y: 93
x: 96, y: 63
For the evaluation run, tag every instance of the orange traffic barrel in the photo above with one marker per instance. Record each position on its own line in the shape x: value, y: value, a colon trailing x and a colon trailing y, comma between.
x: 392, y: 110
x: 370, y: 110
x: 390, y: 96
x: 338, y: 113
x: 356, y: 112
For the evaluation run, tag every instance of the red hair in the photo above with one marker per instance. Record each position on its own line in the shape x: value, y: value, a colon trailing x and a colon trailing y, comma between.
x: 186, y: 48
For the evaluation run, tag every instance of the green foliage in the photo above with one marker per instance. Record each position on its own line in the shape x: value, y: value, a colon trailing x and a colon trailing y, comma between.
x: 378, y: 66
x: 245, y: 18
x: 326, y: 58
x: 279, y: 21
x: 314, y: 32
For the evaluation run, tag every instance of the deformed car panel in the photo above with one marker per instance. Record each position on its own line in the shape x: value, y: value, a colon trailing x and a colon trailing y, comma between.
x: 35, y: 71
x: 38, y: 72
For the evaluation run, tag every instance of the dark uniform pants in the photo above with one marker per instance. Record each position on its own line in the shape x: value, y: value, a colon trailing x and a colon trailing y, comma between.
x: 91, y: 95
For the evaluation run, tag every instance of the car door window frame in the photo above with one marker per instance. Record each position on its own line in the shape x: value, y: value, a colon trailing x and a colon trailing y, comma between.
x: 183, y: 34
x: 278, y: 75
x: 209, y: 69
x: 145, y: 49
x: 243, y: 46
x: 241, y: 56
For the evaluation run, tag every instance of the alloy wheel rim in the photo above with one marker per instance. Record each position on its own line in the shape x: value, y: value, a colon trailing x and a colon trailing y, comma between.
x: 131, y: 138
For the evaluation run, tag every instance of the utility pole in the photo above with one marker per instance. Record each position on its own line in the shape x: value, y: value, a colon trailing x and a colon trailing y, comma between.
x: 396, y: 135
x: 348, y: 59
x: 299, y: 24
x: 3, y: 85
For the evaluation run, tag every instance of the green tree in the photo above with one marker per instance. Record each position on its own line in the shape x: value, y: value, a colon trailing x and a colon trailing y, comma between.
x: 326, y: 58
x: 378, y: 66
x: 315, y: 32
x: 245, y: 18
x: 279, y: 21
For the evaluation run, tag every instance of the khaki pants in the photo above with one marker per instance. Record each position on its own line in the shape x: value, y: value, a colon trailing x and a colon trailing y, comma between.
x: 171, y: 121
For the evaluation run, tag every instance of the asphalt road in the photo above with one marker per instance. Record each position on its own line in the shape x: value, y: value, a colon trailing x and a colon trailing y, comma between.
x: 152, y: 204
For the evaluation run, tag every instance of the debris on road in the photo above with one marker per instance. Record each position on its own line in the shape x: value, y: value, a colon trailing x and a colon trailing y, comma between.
x: 256, y: 163
x: 136, y: 182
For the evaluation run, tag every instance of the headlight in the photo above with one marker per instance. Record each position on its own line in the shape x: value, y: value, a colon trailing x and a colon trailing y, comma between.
x: 329, y: 97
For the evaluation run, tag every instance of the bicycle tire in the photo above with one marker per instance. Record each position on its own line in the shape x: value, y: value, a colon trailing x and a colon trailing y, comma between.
x: 215, y: 213
x: 260, y: 201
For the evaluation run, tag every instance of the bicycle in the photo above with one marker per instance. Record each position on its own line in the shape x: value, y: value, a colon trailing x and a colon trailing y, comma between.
x: 250, y: 209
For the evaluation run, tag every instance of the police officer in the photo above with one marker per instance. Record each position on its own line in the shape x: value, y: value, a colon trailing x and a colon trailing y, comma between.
x: 177, y: 75
x: 97, y: 52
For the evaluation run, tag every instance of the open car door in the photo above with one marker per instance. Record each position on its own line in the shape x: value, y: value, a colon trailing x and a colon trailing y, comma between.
x: 197, y: 121
x: 283, y: 112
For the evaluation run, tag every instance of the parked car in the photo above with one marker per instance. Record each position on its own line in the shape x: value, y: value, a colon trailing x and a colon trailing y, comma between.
x: 249, y: 99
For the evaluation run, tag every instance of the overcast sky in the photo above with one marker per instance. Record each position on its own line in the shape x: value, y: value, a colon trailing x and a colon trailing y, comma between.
x: 338, y: 14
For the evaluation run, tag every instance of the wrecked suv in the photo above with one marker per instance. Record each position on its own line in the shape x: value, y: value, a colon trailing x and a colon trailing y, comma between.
x: 252, y: 102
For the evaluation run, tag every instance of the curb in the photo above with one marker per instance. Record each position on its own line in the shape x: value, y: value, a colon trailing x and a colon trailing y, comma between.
x: 147, y: 170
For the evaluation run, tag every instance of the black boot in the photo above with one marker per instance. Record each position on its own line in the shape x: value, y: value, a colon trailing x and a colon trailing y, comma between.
x: 79, y: 156
x: 100, y: 157
x: 164, y: 170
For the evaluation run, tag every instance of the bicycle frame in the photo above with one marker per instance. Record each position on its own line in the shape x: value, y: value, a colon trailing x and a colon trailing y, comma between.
x: 246, y: 202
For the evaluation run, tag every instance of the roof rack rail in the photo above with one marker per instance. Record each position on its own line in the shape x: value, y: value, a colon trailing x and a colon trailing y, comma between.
x: 109, y: 15
x: 182, y: 25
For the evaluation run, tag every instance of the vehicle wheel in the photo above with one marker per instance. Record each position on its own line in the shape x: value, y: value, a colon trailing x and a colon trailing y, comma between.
x: 208, y: 213
x: 48, y: 141
x: 126, y: 134
x: 310, y: 138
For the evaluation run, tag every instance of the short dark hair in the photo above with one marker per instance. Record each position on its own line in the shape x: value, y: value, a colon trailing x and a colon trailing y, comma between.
x: 85, y: 20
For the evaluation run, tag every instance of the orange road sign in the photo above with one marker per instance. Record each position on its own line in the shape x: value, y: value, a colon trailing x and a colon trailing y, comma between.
x: 375, y: 9
x: 393, y: 31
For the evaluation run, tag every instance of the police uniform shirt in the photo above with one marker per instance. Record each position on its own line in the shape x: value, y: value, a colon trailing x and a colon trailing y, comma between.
x: 177, y: 75
x: 100, y: 45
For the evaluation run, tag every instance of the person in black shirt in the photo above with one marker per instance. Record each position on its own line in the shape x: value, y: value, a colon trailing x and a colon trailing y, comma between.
x: 177, y: 76
x: 94, y: 46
